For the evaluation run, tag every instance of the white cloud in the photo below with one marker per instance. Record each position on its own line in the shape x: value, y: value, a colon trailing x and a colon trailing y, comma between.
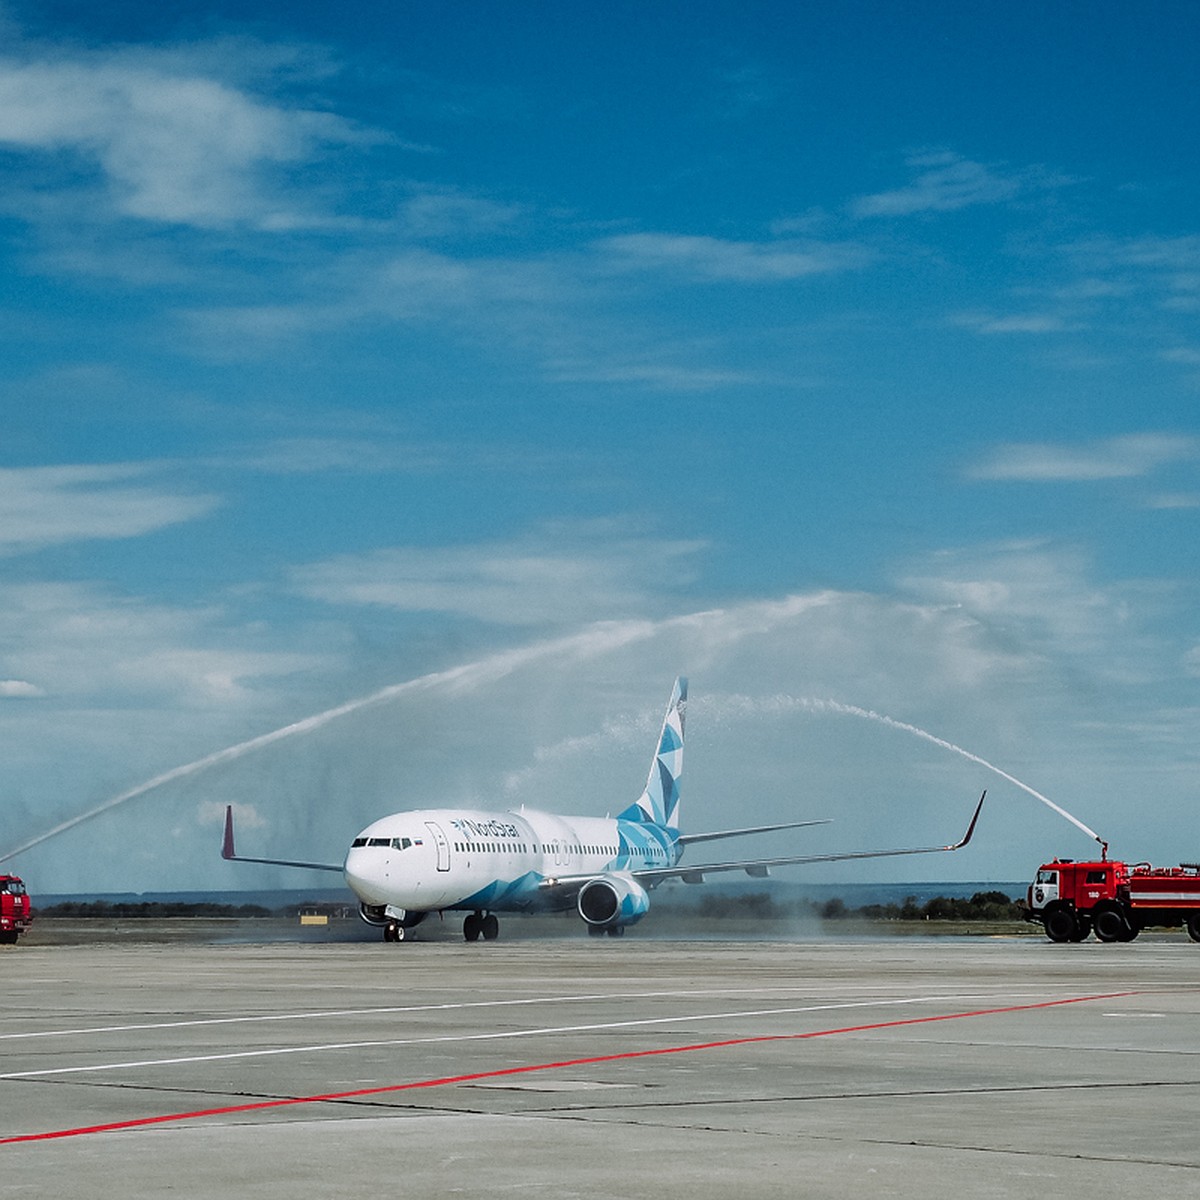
x: 1127, y: 457
x: 480, y: 298
x: 1167, y: 269
x: 1178, y: 258
x: 664, y: 376
x: 1021, y: 323
x: 1170, y: 500
x: 43, y: 506
x: 446, y: 213
x: 567, y: 573
x: 1039, y: 597
x: 942, y: 182
x: 84, y: 645
x: 173, y: 144
x: 19, y: 689
x: 709, y: 258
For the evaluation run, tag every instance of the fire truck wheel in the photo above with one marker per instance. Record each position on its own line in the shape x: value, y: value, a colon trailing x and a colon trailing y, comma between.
x: 1083, y: 927
x: 1193, y: 926
x: 1111, y: 925
x: 1061, y: 925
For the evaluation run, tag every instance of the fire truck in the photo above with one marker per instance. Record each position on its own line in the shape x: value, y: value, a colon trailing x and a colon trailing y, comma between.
x: 15, y: 917
x: 1116, y: 900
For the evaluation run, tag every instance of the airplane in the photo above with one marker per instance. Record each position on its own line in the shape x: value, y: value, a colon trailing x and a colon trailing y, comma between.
x: 407, y: 865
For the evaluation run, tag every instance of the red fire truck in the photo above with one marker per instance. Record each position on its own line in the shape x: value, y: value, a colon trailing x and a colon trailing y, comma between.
x: 14, y: 910
x: 1115, y: 899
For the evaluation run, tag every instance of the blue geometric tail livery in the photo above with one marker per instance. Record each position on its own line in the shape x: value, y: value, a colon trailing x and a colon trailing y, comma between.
x: 659, y: 803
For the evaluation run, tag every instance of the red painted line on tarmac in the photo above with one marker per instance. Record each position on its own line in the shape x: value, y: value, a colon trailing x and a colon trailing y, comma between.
x: 450, y: 1080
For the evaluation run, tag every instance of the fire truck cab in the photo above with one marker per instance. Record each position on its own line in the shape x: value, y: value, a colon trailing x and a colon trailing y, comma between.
x: 15, y: 916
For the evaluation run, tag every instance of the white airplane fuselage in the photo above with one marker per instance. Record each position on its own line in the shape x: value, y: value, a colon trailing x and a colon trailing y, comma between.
x: 437, y: 859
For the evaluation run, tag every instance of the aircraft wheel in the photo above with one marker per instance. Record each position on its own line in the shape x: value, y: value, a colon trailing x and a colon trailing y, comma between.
x: 616, y: 931
x: 1193, y: 926
x: 391, y: 932
x: 471, y: 928
x: 595, y: 930
x: 490, y: 927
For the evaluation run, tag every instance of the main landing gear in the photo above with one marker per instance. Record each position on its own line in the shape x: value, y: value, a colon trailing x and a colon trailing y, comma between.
x: 481, y: 925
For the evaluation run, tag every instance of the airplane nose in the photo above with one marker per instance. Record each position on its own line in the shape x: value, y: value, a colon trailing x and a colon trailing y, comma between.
x: 366, y: 876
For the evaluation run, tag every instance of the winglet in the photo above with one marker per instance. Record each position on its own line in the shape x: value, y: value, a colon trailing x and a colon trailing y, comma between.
x: 227, y: 844
x: 971, y: 827
x: 228, y: 852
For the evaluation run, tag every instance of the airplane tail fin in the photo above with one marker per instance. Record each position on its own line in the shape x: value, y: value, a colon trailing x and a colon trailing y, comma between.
x: 659, y: 803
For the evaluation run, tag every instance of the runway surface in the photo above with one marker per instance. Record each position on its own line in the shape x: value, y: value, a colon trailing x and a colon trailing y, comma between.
x: 952, y: 1067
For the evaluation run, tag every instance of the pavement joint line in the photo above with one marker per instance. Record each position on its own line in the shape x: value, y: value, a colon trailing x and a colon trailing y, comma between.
x: 625, y: 1056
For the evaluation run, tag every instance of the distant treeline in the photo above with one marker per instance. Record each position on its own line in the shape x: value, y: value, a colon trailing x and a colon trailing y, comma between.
x: 761, y: 906
x: 715, y: 905
x: 150, y: 909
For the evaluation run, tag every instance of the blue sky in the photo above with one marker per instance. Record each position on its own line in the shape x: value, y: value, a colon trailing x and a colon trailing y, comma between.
x: 540, y: 352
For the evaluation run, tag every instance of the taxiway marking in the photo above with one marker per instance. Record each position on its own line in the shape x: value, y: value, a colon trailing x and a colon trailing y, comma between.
x: 258, y: 1106
x: 491, y: 1035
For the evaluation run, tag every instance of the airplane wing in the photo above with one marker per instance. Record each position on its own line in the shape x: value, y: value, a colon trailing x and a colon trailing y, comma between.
x: 227, y: 852
x: 760, y: 867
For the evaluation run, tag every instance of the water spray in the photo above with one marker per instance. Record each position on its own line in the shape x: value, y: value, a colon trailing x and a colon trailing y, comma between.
x: 472, y: 675
x: 852, y: 710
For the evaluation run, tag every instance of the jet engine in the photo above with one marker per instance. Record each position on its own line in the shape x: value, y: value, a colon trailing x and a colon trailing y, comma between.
x: 612, y: 902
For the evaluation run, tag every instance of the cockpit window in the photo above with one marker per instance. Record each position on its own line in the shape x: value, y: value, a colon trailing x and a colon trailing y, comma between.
x: 379, y: 841
x: 358, y: 842
x: 401, y: 843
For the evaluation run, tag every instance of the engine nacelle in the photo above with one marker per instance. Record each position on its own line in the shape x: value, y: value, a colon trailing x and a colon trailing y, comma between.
x: 612, y: 901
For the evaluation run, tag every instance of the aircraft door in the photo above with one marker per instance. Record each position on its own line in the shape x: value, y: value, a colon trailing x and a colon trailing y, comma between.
x: 442, y: 844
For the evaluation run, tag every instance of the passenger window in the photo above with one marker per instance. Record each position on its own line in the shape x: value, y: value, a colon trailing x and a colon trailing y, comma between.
x: 1095, y: 877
